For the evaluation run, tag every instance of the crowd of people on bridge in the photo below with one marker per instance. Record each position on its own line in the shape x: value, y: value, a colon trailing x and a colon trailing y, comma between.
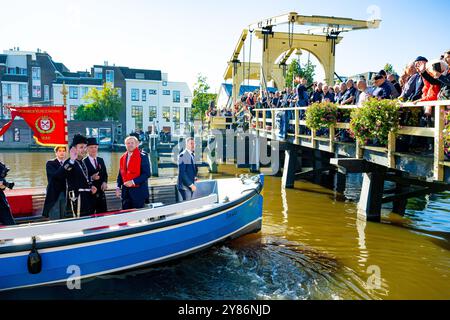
x: 422, y: 80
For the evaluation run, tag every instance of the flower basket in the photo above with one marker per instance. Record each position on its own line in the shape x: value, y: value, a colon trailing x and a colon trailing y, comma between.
x: 375, y: 120
x: 321, y: 115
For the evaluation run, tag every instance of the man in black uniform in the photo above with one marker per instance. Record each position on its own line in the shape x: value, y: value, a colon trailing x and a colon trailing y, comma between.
x: 6, y: 217
x: 99, y: 176
x: 55, y: 200
x: 80, y: 188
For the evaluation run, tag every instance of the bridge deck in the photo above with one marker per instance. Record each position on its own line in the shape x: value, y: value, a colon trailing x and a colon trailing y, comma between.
x: 432, y: 167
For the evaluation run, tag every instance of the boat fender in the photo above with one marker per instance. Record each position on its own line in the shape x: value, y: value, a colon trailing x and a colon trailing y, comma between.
x: 34, y: 262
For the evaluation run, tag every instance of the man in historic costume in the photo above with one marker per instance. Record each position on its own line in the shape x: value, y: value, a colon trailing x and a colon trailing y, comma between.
x: 132, y: 181
x: 187, y: 171
x: 99, y: 176
x: 6, y: 217
x: 80, y: 188
x: 55, y: 200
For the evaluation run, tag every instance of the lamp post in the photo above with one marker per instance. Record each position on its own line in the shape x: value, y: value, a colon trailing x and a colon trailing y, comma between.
x: 64, y: 93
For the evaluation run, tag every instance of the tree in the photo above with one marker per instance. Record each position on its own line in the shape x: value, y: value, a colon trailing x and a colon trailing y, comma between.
x: 308, y: 71
x: 89, y: 113
x: 202, y: 98
x: 106, y: 105
x: 389, y: 68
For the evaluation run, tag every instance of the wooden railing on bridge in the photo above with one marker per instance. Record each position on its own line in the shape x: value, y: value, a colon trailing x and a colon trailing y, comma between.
x: 265, y: 125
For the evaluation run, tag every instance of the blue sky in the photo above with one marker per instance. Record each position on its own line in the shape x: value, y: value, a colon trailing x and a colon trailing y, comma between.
x: 184, y: 38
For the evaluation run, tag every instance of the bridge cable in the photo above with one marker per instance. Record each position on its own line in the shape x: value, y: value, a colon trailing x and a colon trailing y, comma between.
x: 250, y: 57
x: 291, y: 26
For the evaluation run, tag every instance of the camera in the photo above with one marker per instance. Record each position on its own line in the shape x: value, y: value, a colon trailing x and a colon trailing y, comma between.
x: 3, y: 173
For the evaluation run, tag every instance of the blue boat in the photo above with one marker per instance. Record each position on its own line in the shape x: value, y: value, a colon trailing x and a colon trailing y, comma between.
x: 47, y: 253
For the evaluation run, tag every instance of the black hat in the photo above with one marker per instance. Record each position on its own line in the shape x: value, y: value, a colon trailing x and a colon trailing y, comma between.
x: 382, y: 73
x: 136, y: 135
x: 78, y: 139
x: 378, y: 77
x: 420, y: 58
x: 92, y: 142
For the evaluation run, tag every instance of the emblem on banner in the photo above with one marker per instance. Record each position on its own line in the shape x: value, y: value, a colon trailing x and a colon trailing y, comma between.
x: 45, y: 125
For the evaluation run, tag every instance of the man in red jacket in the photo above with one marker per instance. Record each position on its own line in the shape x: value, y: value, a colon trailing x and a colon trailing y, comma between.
x: 132, y: 181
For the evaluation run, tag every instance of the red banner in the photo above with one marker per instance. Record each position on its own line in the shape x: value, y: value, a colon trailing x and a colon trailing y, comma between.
x: 49, y: 124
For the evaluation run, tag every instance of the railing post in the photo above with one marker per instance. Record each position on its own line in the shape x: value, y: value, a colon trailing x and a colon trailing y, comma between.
x: 332, y: 136
x: 439, y: 155
x: 297, y: 126
x: 264, y: 123
x: 392, y: 145
x: 359, y: 150
x: 313, y: 138
x: 273, y: 124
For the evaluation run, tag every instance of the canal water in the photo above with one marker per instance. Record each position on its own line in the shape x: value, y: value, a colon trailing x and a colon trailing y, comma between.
x: 312, y: 246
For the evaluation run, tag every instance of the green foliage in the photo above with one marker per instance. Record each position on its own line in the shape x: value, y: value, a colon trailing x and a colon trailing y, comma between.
x: 446, y: 133
x: 106, y: 105
x: 375, y: 120
x: 89, y: 113
x: 202, y: 98
x: 308, y: 71
x: 389, y: 68
x: 320, y: 115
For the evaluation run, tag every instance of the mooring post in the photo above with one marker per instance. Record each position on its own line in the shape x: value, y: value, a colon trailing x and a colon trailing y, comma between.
x: 290, y: 167
x: 400, y: 204
x: 255, y: 153
x: 154, y: 157
x: 212, y: 154
x: 372, y: 195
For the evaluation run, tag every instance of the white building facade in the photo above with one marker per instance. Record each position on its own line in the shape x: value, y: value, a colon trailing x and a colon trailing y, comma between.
x: 158, y: 105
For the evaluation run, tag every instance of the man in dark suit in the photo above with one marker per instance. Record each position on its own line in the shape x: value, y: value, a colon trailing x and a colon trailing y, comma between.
x: 99, y: 176
x: 132, y: 181
x: 6, y: 217
x: 81, y: 190
x: 55, y: 200
x: 187, y: 171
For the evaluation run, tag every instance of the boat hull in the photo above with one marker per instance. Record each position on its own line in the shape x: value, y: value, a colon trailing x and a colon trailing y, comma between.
x: 132, y: 251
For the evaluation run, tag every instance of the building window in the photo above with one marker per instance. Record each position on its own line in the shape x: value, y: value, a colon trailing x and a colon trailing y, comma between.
x: 11, y: 71
x: 73, y: 93
x: 22, y: 91
x: 134, y: 94
x: 138, y: 116
x: 104, y: 136
x: 73, y: 112
x: 36, y: 73
x: 176, y: 96
x: 84, y: 92
x: 110, y: 76
x: 16, y: 135
x: 36, y: 91
x: 6, y: 113
x: 152, y: 114
x: 152, y: 92
x: 98, y: 73
x: 46, y: 93
x: 166, y: 114
x: 186, y: 100
x: 7, y: 90
x: 23, y: 71
x: 92, y: 132
x: 187, y: 115
x: 166, y: 92
x: 140, y: 76
x: 144, y: 95
x: 176, y: 117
